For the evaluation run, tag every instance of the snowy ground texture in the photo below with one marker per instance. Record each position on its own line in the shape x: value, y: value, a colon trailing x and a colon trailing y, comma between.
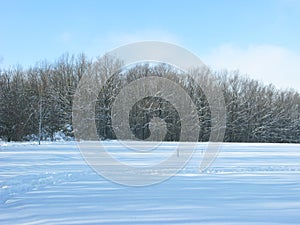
x: 247, y: 184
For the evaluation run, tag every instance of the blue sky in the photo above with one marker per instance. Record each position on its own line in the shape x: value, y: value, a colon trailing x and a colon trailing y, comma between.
x: 259, y: 37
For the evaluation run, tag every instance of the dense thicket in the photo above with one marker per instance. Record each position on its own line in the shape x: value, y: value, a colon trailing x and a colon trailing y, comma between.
x: 36, y: 103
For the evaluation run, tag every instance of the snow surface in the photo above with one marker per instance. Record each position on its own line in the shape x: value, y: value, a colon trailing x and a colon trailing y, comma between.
x: 247, y: 184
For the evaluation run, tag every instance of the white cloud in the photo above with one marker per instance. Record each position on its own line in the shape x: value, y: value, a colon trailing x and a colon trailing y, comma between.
x: 146, y: 35
x: 271, y: 64
x: 103, y: 44
x: 65, y: 37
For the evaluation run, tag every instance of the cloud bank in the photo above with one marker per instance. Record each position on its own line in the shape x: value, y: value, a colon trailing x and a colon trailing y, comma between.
x: 268, y: 63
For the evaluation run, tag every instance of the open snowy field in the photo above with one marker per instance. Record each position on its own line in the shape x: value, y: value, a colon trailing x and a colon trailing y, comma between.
x: 247, y: 184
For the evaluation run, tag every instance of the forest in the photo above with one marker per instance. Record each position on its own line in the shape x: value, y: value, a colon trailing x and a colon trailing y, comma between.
x: 36, y: 103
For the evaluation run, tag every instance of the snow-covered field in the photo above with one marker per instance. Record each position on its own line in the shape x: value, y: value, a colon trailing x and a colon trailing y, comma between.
x: 247, y: 184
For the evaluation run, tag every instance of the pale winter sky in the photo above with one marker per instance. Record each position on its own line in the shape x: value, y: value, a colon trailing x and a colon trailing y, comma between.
x: 261, y: 38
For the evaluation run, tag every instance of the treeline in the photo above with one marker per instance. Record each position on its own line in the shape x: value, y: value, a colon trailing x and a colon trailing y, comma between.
x: 36, y: 103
